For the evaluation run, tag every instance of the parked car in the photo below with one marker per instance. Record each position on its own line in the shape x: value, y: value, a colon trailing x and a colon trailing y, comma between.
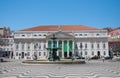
x: 116, y: 58
x: 1, y: 59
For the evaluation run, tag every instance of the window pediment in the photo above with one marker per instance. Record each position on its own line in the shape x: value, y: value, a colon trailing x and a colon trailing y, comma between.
x: 61, y: 35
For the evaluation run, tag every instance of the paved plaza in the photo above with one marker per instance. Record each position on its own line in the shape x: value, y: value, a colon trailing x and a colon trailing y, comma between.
x: 92, y: 69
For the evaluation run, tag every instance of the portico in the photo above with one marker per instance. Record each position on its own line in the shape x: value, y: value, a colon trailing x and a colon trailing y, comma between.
x: 63, y: 41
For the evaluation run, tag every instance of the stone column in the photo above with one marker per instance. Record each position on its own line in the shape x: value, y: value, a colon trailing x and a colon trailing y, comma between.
x: 25, y: 50
x: 32, y: 49
x: 62, y: 48
x: 47, y: 47
x: 73, y: 48
x: 67, y: 48
x: 20, y: 50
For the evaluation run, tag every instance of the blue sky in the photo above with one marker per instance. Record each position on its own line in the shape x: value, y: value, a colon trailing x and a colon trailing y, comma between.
x: 21, y: 14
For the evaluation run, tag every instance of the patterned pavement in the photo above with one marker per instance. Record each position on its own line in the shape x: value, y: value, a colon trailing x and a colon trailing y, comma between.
x: 92, y: 69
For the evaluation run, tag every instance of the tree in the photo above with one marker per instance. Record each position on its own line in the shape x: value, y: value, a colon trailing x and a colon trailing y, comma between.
x: 116, y: 47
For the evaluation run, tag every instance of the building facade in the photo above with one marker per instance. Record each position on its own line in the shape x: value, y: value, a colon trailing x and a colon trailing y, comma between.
x: 114, y: 41
x: 74, y: 40
x: 6, y: 42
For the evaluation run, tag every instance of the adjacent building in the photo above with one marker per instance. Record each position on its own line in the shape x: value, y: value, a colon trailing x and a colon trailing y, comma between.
x: 6, y: 42
x: 114, y: 40
x: 74, y: 40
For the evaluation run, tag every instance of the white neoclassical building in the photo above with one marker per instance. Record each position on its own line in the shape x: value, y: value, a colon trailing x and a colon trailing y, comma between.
x: 72, y: 39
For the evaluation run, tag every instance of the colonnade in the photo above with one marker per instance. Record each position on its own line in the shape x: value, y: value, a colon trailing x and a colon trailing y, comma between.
x: 66, y: 47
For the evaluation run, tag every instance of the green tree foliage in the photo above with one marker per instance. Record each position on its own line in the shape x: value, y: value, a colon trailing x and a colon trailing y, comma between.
x: 116, y: 47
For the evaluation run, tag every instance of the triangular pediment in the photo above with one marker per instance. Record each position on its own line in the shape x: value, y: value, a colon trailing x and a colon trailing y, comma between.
x: 60, y: 35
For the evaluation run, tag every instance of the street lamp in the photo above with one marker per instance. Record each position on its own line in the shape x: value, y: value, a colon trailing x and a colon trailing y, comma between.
x: 81, y: 50
x: 36, y: 53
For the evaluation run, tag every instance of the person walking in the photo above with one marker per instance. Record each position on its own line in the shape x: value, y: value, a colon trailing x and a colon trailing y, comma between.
x: 103, y: 58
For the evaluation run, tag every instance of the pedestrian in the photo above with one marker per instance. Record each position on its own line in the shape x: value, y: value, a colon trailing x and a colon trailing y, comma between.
x: 103, y: 58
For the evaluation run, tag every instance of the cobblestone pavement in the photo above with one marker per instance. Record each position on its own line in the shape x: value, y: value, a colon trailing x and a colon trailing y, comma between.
x: 92, y: 69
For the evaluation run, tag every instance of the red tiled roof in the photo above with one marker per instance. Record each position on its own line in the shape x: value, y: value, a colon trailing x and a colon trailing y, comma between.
x: 60, y: 27
x: 115, y: 32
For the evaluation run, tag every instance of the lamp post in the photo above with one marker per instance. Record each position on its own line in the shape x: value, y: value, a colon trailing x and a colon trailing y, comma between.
x: 36, y: 53
x: 81, y: 50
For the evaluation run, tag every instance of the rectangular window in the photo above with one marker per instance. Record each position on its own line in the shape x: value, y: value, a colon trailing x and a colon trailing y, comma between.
x: 34, y: 46
x: 44, y: 53
x: 81, y: 46
x: 81, y: 53
x: 39, y: 53
x: 44, y: 45
x: 25, y: 54
x: 104, y: 53
x: 19, y: 54
x: 104, y: 45
x: 86, y: 45
x: 28, y: 46
x: 16, y: 53
x: 92, y: 53
x: 92, y: 45
x: 39, y: 46
x: 28, y: 53
x: 22, y: 46
x: 86, y: 53
x: 17, y: 47
x: 98, y: 46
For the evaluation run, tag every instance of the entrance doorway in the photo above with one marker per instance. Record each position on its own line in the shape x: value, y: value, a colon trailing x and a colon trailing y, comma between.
x: 70, y: 54
x: 65, y: 54
x: 22, y: 56
x: 98, y: 54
